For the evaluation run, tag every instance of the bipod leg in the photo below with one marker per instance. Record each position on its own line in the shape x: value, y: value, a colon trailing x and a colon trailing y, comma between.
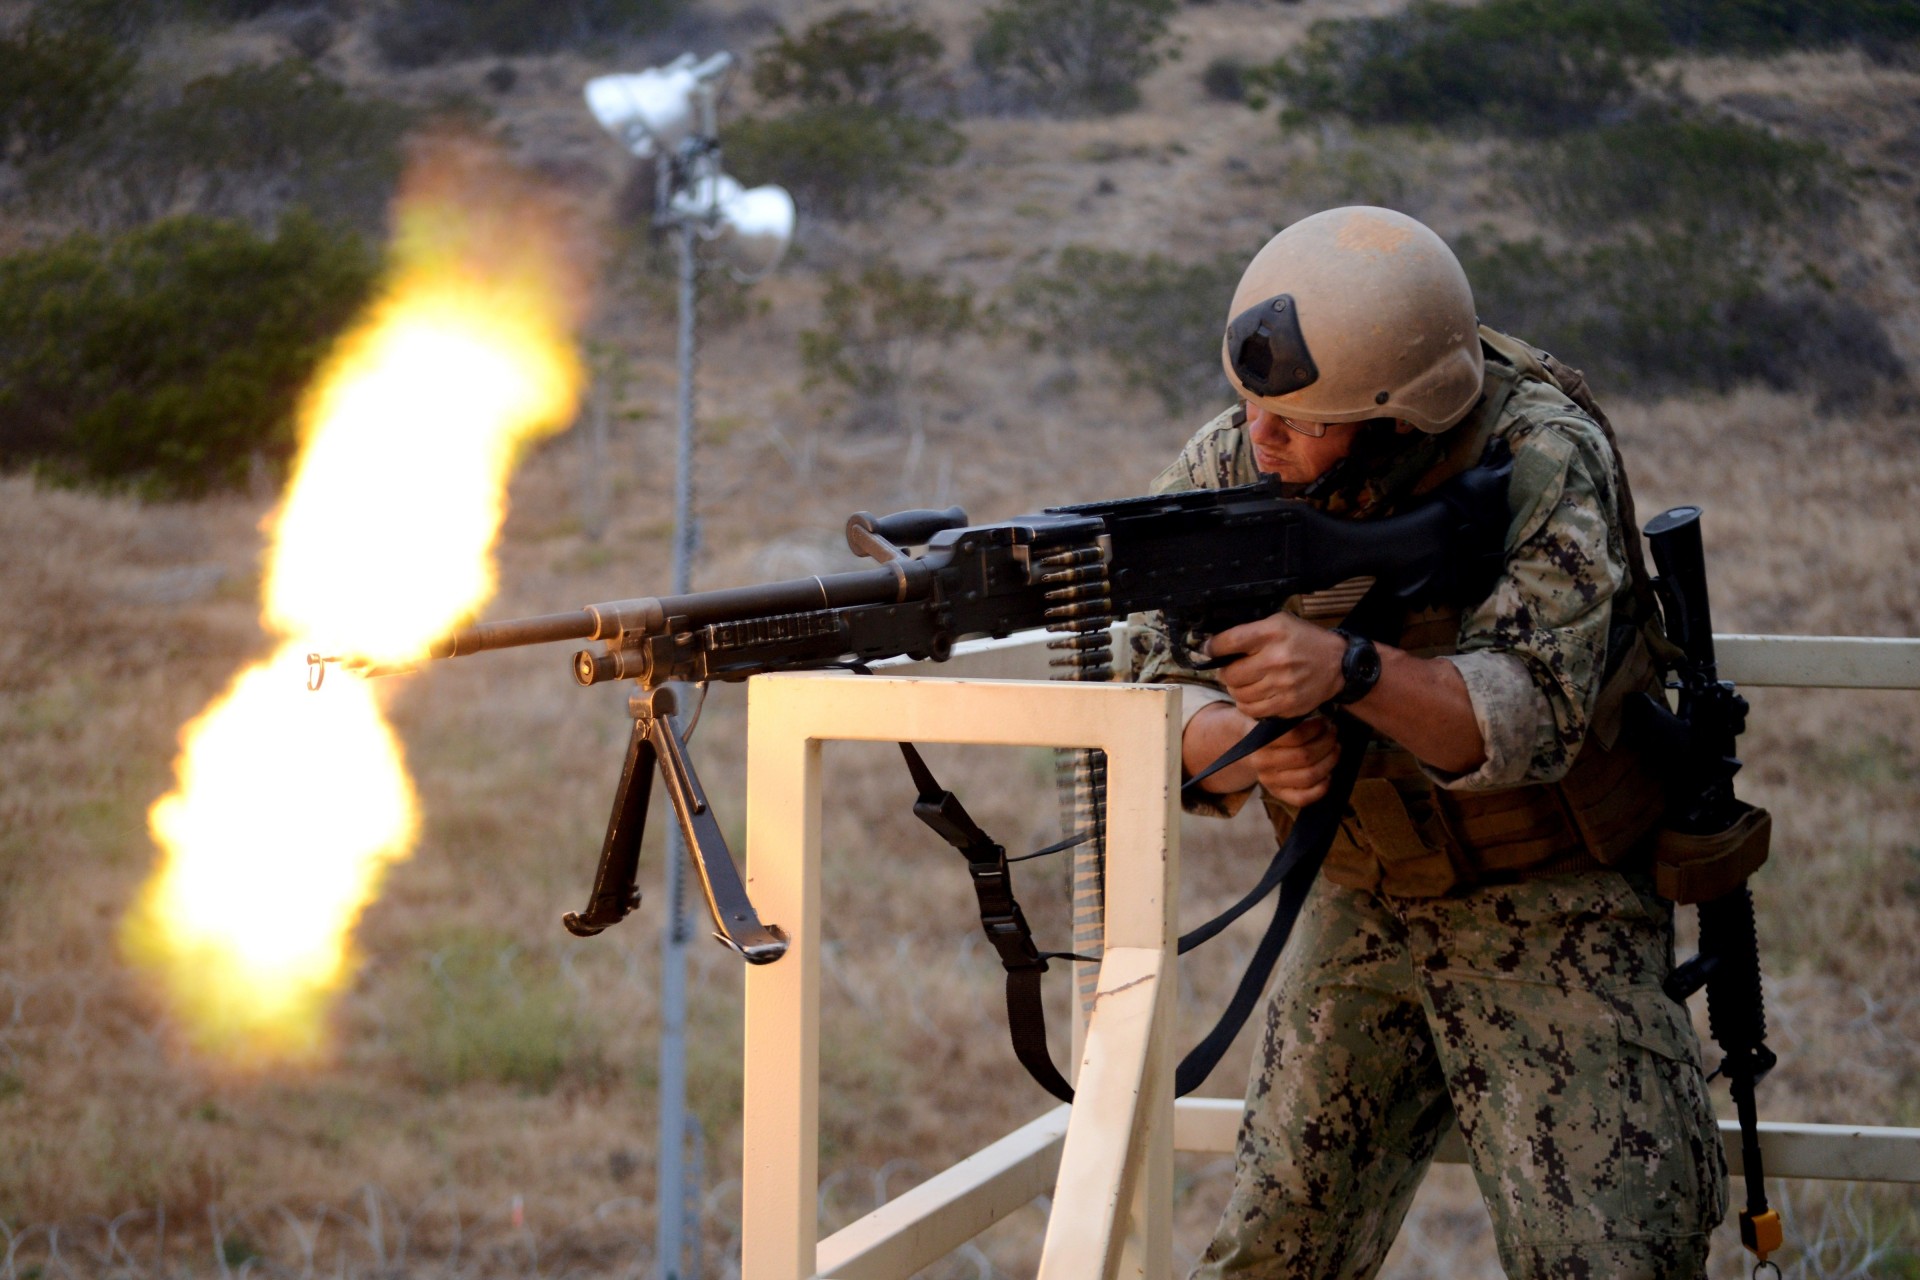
x: 614, y: 891
x: 735, y: 921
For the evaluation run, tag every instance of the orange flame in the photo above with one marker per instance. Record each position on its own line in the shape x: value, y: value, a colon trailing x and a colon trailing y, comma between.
x: 289, y: 806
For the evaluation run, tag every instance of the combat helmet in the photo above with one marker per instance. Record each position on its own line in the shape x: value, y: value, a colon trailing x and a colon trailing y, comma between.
x: 1356, y: 313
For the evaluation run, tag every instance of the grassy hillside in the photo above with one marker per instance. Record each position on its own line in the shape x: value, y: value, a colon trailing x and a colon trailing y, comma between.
x: 493, y: 1090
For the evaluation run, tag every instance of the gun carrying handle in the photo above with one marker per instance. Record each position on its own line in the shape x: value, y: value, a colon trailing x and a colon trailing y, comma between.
x: 614, y: 890
x: 882, y: 537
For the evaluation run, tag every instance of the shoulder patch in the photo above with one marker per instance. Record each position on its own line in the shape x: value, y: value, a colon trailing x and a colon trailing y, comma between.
x: 1541, y: 456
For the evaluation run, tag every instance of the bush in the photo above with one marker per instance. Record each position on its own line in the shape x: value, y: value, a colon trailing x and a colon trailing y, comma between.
x: 851, y: 58
x: 1159, y: 320
x: 171, y: 357
x: 875, y: 325
x: 59, y: 82
x: 418, y: 33
x: 245, y: 144
x: 1225, y: 80
x: 1770, y: 26
x: 869, y: 113
x: 1522, y: 66
x: 1656, y: 313
x: 839, y: 162
x: 1675, y: 171
x: 1076, y: 54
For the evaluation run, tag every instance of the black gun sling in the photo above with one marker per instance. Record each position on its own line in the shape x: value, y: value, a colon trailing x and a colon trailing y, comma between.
x: 1292, y: 870
x: 1295, y: 865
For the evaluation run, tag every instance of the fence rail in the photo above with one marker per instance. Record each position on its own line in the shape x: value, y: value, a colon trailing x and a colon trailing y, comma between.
x: 921, y: 1226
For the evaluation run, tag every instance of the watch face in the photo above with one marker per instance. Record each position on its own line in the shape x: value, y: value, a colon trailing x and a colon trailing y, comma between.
x: 1360, y: 668
x: 1366, y: 664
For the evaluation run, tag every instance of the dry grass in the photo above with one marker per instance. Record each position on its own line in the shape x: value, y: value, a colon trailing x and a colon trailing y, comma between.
x: 485, y: 1060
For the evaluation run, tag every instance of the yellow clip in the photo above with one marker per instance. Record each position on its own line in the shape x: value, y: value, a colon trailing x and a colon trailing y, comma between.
x: 1762, y: 1233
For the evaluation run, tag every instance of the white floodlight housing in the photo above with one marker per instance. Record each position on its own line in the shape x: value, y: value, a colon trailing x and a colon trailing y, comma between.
x: 749, y: 230
x: 652, y: 112
x: 758, y: 227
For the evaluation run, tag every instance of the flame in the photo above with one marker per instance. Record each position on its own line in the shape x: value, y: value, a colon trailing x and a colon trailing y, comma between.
x: 289, y: 806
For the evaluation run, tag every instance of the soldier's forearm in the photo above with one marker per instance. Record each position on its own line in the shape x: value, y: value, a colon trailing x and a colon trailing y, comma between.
x: 1423, y: 704
x: 1209, y: 734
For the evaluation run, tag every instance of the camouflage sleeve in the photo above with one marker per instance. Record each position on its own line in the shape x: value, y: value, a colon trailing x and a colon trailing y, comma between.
x: 1212, y: 459
x: 1533, y: 652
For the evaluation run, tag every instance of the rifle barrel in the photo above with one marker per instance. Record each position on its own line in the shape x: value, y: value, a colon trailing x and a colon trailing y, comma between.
x: 513, y: 632
x: 901, y: 581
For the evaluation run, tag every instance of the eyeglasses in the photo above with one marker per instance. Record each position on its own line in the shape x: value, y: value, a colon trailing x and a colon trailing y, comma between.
x: 1300, y: 425
x: 1314, y: 429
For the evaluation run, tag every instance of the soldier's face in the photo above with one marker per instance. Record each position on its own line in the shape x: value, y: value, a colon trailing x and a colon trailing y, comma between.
x: 1279, y: 450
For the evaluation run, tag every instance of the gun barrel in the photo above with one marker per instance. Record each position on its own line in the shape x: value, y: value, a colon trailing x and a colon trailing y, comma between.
x: 893, y: 583
x: 513, y: 632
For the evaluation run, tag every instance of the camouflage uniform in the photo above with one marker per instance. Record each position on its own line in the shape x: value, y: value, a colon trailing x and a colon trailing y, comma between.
x: 1529, y: 1010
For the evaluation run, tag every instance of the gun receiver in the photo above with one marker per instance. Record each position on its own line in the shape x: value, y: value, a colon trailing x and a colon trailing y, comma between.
x: 1208, y: 559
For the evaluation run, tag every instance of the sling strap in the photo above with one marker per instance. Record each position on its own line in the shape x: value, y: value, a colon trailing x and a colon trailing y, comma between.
x: 1293, y: 869
x: 1001, y: 918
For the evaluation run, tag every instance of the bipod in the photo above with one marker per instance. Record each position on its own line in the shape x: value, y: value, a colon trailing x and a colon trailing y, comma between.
x: 658, y: 743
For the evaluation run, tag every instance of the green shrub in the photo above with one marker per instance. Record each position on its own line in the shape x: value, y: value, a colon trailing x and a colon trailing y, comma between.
x: 418, y: 33
x: 1770, y: 26
x: 245, y: 144
x: 868, y: 113
x: 1522, y: 66
x: 839, y: 161
x: 170, y: 357
x: 1676, y: 171
x: 1225, y: 80
x: 1087, y: 55
x: 876, y: 326
x: 1402, y: 169
x: 58, y: 82
x: 854, y: 57
x: 1649, y: 314
x: 1157, y: 319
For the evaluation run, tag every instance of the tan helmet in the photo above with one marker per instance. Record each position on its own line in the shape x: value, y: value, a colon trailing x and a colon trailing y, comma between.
x: 1356, y: 313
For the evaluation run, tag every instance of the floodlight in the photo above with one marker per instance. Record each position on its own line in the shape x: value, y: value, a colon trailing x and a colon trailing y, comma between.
x: 757, y: 227
x: 652, y: 112
x: 749, y: 230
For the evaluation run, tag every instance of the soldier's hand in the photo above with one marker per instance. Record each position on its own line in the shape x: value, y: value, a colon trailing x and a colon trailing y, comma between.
x: 1293, y: 768
x: 1290, y: 667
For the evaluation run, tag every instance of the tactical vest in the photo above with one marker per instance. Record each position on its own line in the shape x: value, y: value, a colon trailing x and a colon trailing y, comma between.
x: 1403, y: 835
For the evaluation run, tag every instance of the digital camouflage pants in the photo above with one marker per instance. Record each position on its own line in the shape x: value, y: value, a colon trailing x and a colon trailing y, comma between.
x: 1530, y: 1012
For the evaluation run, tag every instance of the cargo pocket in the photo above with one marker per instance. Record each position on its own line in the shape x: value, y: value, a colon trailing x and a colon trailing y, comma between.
x: 1671, y: 1161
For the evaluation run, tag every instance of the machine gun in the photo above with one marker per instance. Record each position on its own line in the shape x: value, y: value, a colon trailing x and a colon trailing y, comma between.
x: 1711, y: 843
x: 1208, y: 559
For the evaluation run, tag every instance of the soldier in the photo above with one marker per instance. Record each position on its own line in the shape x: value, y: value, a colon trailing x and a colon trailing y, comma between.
x: 1484, y: 946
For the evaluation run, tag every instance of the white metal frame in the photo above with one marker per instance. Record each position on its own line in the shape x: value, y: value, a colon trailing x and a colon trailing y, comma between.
x: 1110, y: 1153
x: 1114, y: 1149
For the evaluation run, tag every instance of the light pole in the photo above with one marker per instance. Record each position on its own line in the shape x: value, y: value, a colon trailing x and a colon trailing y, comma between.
x: 667, y: 114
